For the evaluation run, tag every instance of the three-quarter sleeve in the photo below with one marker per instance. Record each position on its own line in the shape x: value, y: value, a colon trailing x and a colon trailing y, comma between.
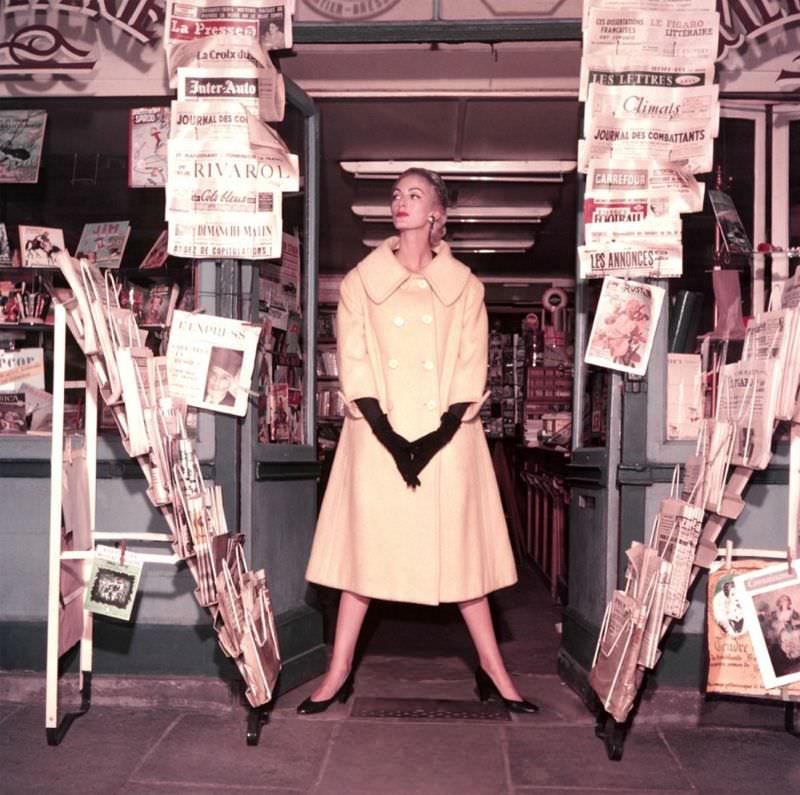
x: 469, y: 375
x: 356, y: 377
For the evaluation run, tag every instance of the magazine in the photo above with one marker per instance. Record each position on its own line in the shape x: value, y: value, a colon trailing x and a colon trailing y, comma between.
x: 22, y: 137
x: 210, y: 361
x: 5, y: 246
x: 157, y: 256
x: 675, y: 538
x: 684, y: 395
x: 734, y: 235
x: 747, y: 397
x: 732, y: 664
x: 39, y: 246
x: 158, y: 305
x: 103, y: 243
x: 770, y: 599
x: 148, y: 130
x: 624, y: 326
x: 22, y: 366
x: 12, y: 412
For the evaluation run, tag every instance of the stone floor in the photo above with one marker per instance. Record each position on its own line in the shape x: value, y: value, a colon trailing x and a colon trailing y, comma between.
x: 153, y: 737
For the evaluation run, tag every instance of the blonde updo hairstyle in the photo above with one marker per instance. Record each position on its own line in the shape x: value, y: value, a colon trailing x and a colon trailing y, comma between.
x: 438, y: 229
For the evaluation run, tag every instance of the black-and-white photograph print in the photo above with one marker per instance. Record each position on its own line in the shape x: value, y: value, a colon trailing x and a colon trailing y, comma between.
x: 222, y: 381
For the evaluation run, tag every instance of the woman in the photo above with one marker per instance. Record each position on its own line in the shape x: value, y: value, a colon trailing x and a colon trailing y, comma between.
x: 412, y: 511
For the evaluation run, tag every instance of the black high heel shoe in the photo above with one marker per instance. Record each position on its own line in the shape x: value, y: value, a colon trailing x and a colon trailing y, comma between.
x: 309, y: 707
x: 487, y: 688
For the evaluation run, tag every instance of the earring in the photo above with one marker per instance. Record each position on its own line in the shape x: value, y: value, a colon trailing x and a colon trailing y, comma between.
x: 431, y: 220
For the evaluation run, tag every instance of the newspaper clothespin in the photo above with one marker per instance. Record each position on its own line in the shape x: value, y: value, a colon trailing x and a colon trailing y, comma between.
x: 728, y: 554
x: 122, y: 545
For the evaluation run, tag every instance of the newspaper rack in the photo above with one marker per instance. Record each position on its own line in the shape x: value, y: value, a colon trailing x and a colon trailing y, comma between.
x: 56, y: 724
x: 611, y: 728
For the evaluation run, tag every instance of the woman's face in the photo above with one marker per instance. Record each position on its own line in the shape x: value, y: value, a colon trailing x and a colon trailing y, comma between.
x: 414, y: 200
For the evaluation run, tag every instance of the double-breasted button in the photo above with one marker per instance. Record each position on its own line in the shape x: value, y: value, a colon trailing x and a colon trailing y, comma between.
x: 399, y: 321
x: 427, y: 319
x: 431, y: 404
x: 428, y: 365
x: 393, y: 363
x: 422, y: 283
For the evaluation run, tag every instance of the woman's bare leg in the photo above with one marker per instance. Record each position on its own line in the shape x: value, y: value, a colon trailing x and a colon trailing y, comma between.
x: 479, y: 623
x: 352, y: 609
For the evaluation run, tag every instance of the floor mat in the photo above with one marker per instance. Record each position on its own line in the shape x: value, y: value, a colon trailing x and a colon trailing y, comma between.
x: 428, y: 709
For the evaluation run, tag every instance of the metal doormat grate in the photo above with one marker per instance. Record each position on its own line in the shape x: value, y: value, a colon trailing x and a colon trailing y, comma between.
x: 428, y: 709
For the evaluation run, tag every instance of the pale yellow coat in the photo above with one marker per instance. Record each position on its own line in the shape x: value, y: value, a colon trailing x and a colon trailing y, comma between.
x: 418, y: 343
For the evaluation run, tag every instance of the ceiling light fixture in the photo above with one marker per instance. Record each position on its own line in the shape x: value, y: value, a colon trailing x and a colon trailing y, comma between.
x: 469, y: 170
x: 478, y: 246
x: 523, y: 214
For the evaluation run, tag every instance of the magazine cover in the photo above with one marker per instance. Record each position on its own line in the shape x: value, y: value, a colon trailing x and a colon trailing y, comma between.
x: 5, y: 246
x: 39, y: 246
x: 157, y: 256
x: 624, y: 326
x: 210, y: 361
x: 12, y: 412
x: 158, y: 305
x: 732, y: 664
x: 103, y: 243
x: 770, y: 601
x: 22, y: 366
x: 734, y: 235
x: 21, y: 140
x: 148, y: 130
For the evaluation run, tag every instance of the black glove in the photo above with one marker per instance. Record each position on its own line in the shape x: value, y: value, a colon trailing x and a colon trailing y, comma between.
x: 397, y: 445
x: 426, y: 447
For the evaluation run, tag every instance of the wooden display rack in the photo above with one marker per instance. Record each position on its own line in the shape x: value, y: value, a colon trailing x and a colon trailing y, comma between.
x: 56, y: 726
x: 56, y: 729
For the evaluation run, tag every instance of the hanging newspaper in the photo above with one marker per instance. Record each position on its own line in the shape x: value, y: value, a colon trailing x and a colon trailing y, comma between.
x: 221, y: 52
x: 747, y: 395
x: 260, y: 89
x: 210, y: 361
x: 675, y: 538
x: 770, y: 600
x: 22, y: 137
x: 628, y: 221
x: 771, y: 336
x: 210, y: 197
x: 624, y: 326
x: 226, y: 237
x: 665, y: 187
x: 148, y: 129
x: 193, y: 161
x: 645, y: 258
x: 157, y: 256
x: 732, y: 664
x: 207, y: 120
x: 706, y: 471
x: 689, y: 143
x: 188, y: 20
x: 686, y: 35
x: 634, y: 70
x: 684, y: 395
x: 636, y: 104
x: 290, y: 271
x: 104, y: 243
x: 664, y: 6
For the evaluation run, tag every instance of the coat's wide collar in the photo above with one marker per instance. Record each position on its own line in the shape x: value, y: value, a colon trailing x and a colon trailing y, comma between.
x: 381, y: 273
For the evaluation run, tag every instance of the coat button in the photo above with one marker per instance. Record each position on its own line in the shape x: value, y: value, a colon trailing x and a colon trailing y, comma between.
x: 393, y: 363
x: 428, y: 365
x: 422, y: 283
x: 398, y: 321
x: 427, y: 319
x: 431, y: 404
